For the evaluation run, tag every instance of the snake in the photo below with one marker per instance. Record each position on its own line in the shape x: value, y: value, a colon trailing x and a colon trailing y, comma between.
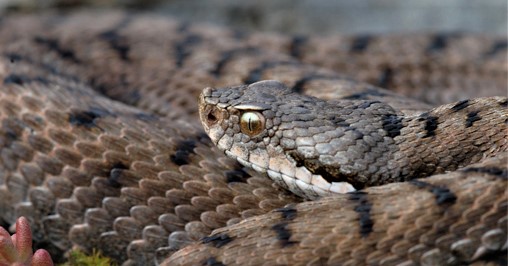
x: 157, y: 141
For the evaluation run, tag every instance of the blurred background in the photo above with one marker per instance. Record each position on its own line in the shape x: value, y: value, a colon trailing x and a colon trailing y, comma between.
x: 310, y: 16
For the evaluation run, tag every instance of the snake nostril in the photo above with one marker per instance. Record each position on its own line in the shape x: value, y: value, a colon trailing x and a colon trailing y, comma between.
x: 211, y: 118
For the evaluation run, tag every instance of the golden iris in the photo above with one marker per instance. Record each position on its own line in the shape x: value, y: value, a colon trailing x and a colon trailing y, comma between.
x: 252, y: 123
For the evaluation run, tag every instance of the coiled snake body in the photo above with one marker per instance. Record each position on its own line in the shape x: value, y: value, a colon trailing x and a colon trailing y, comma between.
x: 101, y: 147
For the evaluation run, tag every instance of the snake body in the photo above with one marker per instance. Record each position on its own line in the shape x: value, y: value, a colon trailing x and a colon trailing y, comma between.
x: 101, y: 146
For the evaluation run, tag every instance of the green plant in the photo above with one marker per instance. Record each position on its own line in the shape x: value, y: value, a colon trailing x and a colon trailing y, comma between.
x: 16, y: 250
x: 78, y: 258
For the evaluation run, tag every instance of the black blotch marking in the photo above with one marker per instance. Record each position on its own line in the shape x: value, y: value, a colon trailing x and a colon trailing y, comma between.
x: 11, y: 131
x: 11, y: 136
x: 360, y: 43
x: 442, y: 194
x: 131, y: 97
x: 363, y: 208
x: 229, y: 55
x: 439, y: 42
x: 296, y: 44
x: 460, y: 105
x: 497, y: 47
x: 392, y: 124
x: 183, y: 49
x: 213, y: 262
x: 367, y: 104
x: 87, y: 118
x: 283, y: 234
x: 287, y: 213
x: 300, y: 84
x: 15, y: 79
x: 504, y: 103
x: 237, y: 175
x: 100, y: 88
x: 472, y: 117
x: 256, y: 73
x: 500, y: 172
x: 218, y: 240
x: 365, y: 94
x: 21, y: 79
x: 386, y: 77
x: 13, y: 58
x: 53, y: 45
x: 493, y: 257
x: 115, y: 174
x: 431, y: 123
x: 117, y: 42
x: 183, y: 150
x: 338, y: 121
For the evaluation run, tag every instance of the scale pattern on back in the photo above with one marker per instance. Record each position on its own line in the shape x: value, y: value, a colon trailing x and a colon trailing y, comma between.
x: 101, y: 147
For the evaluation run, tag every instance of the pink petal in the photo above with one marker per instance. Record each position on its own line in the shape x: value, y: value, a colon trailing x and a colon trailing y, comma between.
x: 4, y: 233
x: 3, y: 259
x: 41, y: 258
x: 13, y: 238
x: 7, y: 250
x: 23, y: 239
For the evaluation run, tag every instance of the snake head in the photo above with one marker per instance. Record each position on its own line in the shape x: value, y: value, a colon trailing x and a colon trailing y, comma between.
x: 259, y: 125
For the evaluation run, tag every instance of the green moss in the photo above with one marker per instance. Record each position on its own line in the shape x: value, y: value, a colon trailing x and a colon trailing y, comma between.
x: 78, y: 258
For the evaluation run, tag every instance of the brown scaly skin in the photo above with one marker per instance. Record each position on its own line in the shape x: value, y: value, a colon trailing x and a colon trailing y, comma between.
x: 112, y: 52
x: 139, y: 183
x: 447, y: 219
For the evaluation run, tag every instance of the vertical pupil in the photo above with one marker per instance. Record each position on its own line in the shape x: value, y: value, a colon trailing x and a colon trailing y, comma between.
x: 251, y: 123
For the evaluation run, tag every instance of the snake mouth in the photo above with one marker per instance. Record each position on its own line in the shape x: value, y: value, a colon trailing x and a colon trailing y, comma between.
x: 301, y: 182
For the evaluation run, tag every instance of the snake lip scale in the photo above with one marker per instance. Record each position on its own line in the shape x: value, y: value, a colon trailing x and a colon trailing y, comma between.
x: 109, y: 142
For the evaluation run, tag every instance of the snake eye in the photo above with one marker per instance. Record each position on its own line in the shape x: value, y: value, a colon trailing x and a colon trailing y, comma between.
x: 252, y: 123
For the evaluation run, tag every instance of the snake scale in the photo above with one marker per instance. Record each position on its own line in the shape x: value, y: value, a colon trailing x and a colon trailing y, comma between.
x: 101, y: 145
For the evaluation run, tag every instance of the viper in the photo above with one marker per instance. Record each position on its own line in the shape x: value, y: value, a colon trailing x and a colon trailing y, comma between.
x: 156, y: 141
